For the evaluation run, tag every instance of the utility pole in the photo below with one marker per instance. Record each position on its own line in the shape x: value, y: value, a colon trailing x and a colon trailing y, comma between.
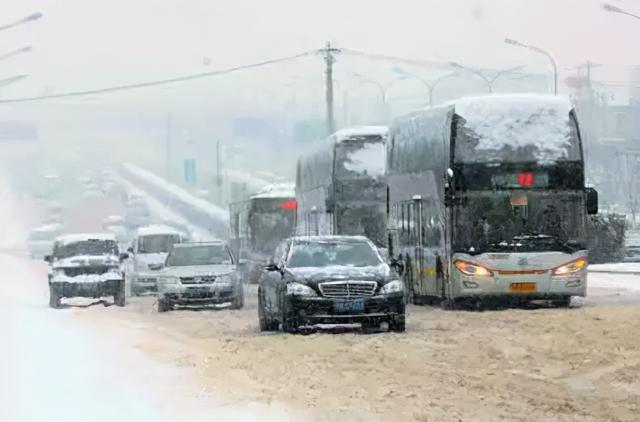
x: 329, y: 59
x: 218, y: 173
x: 167, y: 149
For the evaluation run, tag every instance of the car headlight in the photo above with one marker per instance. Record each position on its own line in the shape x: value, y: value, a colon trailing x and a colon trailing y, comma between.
x: 58, y: 272
x: 571, y: 267
x: 297, y: 289
x: 223, y: 281
x: 469, y: 268
x: 395, y: 286
x: 168, y: 280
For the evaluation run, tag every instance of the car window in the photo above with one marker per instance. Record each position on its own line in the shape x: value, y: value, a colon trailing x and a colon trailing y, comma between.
x: 327, y: 253
x: 199, y: 255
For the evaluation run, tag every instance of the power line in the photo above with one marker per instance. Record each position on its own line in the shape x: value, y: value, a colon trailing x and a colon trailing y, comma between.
x: 386, y: 57
x: 140, y: 85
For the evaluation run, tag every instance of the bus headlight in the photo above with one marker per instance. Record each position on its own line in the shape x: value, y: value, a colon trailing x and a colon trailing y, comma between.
x: 297, y: 289
x: 571, y: 267
x: 469, y: 268
x: 395, y: 286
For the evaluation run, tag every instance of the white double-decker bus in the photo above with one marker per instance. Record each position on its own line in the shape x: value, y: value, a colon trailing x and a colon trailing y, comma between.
x: 487, y: 201
x: 340, y: 185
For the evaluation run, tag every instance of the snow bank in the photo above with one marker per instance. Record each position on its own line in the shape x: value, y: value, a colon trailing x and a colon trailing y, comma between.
x: 518, y: 121
x: 345, y: 134
x: 277, y: 190
x: 206, y: 206
x: 621, y: 268
x: 370, y: 159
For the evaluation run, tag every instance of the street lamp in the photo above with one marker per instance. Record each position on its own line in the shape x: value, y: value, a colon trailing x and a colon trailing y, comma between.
x: 431, y: 85
x: 31, y: 17
x: 615, y: 9
x: 16, y: 52
x: 543, y: 52
x: 381, y: 88
x: 480, y: 73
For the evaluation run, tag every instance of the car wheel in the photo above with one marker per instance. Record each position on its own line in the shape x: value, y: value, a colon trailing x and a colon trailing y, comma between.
x: 265, y: 322
x: 397, y: 324
x: 564, y: 302
x: 238, y: 301
x: 164, y: 306
x: 289, y: 323
x: 54, y: 297
x: 119, y: 297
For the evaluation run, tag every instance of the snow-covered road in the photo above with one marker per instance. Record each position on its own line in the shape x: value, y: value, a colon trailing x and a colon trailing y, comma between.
x: 55, y: 365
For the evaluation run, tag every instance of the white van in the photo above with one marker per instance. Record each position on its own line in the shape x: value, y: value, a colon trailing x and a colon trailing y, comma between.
x: 146, y: 255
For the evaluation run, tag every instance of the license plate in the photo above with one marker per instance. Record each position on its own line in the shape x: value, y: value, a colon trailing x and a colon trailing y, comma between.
x: 523, y: 287
x: 349, y: 306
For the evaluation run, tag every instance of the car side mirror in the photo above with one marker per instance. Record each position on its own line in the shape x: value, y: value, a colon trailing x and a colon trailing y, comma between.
x: 48, y: 258
x: 124, y: 256
x: 592, y: 201
x: 156, y: 267
x: 397, y: 266
x: 130, y: 249
x: 272, y: 267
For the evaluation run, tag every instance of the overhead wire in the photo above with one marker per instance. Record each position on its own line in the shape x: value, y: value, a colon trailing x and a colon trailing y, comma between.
x: 189, y: 77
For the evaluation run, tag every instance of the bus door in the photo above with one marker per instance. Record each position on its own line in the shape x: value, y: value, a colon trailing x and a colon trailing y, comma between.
x: 426, y: 240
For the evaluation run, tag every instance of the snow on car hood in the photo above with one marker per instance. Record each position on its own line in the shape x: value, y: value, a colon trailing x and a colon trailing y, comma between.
x: 151, y: 258
x: 88, y: 278
x: 198, y: 270
x: 314, y: 275
x: 86, y: 261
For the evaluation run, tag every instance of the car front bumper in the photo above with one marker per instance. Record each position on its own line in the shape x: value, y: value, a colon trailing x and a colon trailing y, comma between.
x: 209, y: 294
x: 87, y: 289
x: 305, y: 310
x: 144, y: 283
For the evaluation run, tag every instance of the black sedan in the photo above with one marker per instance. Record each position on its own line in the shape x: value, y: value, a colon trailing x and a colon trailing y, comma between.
x: 338, y: 280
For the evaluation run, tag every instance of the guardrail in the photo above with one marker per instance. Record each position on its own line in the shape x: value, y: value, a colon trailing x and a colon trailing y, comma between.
x: 197, y: 211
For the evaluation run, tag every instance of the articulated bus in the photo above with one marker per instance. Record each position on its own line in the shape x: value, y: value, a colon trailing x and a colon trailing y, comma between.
x: 486, y: 200
x: 340, y: 185
x: 259, y: 224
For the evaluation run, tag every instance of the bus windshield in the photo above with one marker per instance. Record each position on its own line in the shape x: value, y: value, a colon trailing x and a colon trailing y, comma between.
x: 517, y: 220
x: 512, y: 131
x: 271, y: 220
x: 360, y: 157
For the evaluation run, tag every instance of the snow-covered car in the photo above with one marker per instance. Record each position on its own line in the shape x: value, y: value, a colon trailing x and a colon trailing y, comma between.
x: 40, y: 241
x: 198, y: 274
x: 320, y: 280
x: 147, y: 254
x: 85, y: 265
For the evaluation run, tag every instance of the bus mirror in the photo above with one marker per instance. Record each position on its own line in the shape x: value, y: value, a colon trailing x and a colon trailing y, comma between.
x: 592, y: 201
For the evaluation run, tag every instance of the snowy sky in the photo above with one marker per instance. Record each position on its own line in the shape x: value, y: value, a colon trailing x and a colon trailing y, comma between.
x: 91, y: 43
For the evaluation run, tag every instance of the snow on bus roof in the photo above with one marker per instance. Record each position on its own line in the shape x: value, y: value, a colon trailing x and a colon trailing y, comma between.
x: 67, y: 239
x: 156, y: 229
x: 277, y: 190
x: 359, y: 131
x: 518, y: 120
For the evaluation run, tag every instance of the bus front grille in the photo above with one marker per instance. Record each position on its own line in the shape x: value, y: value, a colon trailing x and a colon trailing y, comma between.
x: 348, y: 289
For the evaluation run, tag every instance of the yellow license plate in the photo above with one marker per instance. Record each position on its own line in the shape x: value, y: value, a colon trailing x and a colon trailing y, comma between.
x: 523, y: 287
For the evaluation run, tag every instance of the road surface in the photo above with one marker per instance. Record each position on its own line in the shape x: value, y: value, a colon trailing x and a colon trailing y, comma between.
x: 93, y: 363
